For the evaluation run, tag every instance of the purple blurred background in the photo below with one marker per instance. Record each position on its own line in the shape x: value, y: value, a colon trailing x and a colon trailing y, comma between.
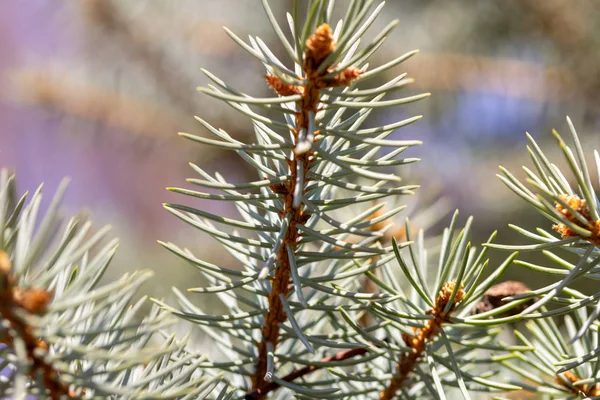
x: 98, y: 89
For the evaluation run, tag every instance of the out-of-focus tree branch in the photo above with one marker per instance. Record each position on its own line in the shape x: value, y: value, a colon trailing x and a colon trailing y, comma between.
x: 509, y: 77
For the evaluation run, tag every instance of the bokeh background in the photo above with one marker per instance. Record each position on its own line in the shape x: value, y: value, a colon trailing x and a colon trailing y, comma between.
x: 97, y: 90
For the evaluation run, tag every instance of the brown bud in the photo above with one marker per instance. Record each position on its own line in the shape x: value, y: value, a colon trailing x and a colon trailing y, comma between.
x: 580, y: 205
x: 281, y: 88
x: 564, y: 231
x: 576, y: 203
x: 279, y: 188
x: 320, y: 45
x: 346, y: 77
x: 34, y: 301
x: 446, y: 293
x: 5, y: 265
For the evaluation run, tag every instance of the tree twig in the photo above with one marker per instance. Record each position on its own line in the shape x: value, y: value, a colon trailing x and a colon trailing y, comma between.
x: 340, y: 356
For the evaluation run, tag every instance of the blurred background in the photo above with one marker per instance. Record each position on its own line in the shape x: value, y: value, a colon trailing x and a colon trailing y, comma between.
x: 97, y: 90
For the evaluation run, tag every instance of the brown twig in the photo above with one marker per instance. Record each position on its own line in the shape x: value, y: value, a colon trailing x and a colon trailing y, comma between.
x: 96, y: 103
x: 424, y: 335
x: 318, y: 46
x: 567, y: 380
x: 271, y: 386
x: 33, y: 301
x: 135, y: 40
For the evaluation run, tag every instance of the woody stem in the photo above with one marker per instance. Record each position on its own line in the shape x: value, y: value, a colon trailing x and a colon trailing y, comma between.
x: 418, y: 342
x: 307, y: 106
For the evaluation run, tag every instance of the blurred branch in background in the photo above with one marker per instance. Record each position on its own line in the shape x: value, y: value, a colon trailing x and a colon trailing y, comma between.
x: 135, y: 40
x: 456, y: 72
x: 496, y: 69
x: 95, y: 103
x: 573, y: 28
x: 176, y: 101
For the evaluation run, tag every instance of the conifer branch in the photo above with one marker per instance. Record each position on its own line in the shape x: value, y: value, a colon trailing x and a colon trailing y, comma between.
x: 568, y: 380
x: 15, y: 300
x: 65, y: 335
x: 318, y: 47
x: 408, y: 361
x: 577, y: 213
x: 271, y: 386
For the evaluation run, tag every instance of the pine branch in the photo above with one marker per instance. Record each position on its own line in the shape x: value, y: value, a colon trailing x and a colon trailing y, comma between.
x: 568, y: 379
x: 65, y: 335
x: 271, y: 386
x: 445, y: 304
x: 319, y: 46
x: 408, y: 362
x: 15, y: 300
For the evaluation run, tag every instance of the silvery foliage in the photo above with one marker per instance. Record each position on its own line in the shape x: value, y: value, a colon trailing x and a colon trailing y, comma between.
x: 333, y: 254
x: 327, y: 301
x: 96, y: 345
x: 562, y: 328
x: 98, y: 349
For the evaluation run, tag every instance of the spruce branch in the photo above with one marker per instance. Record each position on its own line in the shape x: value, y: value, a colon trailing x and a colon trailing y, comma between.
x: 300, y: 373
x: 299, y: 256
x: 425, y: 326
x: 329, y: 297
x: 15, y: 300
x: 63, y: 333
x: 565, y: 366
x: 318, y: 47
x: 445, y: 304
x: 574, y: 213
x: 553, y: 365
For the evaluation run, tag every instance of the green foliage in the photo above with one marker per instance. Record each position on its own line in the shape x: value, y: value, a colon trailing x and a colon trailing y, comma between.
x: 66, y: 334
x: 333, y: 296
